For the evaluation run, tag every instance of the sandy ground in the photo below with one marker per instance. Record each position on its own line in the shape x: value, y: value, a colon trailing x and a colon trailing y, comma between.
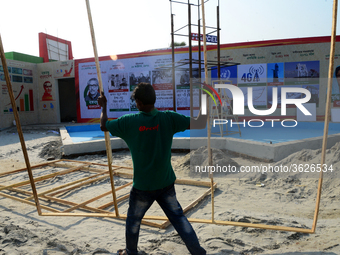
x: 275, y: 199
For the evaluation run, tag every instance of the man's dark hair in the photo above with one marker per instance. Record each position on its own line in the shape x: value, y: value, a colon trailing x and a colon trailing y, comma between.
x: 336, y: 71
x: 145, y: 93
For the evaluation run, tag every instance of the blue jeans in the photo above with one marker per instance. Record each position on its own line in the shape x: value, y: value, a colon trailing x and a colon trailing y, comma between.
x: 140, y: 201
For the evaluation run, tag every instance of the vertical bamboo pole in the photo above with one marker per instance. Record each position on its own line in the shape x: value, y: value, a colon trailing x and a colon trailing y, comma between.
x: 190, y: 62
x: 18, y: 124
x: 327, y: 113
x: 173, y: 61
x: 208, y: 111
x: 107, y: 135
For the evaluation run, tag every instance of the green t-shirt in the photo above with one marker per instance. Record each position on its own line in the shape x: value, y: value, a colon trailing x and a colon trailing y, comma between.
x: 149, y: 137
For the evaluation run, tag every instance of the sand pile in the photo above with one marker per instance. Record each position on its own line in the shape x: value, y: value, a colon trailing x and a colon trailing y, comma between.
x: 307, y: 163
x: 196, y: 162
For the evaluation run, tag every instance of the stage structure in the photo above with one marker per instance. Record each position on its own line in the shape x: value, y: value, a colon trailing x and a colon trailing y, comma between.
x: 187, y: 64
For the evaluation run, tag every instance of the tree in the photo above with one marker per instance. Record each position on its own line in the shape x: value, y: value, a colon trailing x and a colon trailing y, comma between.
x: 178, y: 44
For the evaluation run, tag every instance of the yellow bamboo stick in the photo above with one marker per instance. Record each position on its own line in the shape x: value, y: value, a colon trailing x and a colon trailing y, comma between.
x: 18, y: 125
x: 193, y: 220
x: 96, y: 198
x: 107, y: 135
x: 66, y: 185
x: 29, y: 202
x: 40, y: 178
x: 327, y: 113
x: 25, y: 168
x: 61, y: 192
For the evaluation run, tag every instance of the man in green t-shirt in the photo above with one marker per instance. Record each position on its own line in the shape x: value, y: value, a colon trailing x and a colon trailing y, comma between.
x: 148, y: 135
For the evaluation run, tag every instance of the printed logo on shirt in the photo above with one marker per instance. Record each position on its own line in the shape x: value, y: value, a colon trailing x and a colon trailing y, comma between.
x: 144, y: 128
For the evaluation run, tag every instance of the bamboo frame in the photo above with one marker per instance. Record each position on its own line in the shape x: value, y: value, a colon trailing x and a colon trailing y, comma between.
x: 97, y: 174
x: 100, y: 211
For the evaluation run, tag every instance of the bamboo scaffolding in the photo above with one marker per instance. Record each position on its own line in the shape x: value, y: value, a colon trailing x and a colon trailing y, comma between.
x: 327, y: 113
x: 18, y: 125
x: 107, y: 135
x: 100, y: 212
x: 85, y: 166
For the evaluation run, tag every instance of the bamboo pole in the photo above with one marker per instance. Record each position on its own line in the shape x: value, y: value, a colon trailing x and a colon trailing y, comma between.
x: 67, y: 185
x: 97, y: 164
x: 40, y: 178
x: 193, y: 182
x: 29, y: 202
x: 208, y: 112
x: 25, y: 168
x: 18, y: 125
x: 95, y: 198
x: 48, y: 198
x: 107, y: 135
x: 193, y: 220
x: 65, y: 202
x: 327, y: 113
x: 120, y: 199
x: 62, y: 192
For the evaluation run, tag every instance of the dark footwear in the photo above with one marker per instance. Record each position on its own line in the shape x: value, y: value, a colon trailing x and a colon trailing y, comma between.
x: 122, y: 252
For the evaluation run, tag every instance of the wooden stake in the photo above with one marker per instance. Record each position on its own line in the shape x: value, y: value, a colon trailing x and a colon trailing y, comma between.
x: 208, y: 111
x: 327, y: 113
x: 18, y: 124
x: 107, y: 135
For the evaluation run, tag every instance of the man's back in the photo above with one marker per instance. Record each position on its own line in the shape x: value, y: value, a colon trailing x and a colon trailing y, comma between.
x: 149, y: 137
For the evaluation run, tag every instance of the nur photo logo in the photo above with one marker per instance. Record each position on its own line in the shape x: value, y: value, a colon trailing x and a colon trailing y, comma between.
x: 238, y: 101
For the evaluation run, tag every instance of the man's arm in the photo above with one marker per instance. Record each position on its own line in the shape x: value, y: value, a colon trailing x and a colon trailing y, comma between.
x: 199, y: 123
x: 103, y: 117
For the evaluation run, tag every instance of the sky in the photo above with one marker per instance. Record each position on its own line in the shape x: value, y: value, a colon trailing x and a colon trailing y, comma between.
x: 129, y: 26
